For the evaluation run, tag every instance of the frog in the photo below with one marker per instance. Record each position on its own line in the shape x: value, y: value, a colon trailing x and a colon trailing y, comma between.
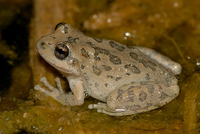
x: 125, y: 79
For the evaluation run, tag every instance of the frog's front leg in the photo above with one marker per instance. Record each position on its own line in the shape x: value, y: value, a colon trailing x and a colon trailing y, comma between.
x: 175, y: 67
x: 76, y: 97
x: 137, y: 98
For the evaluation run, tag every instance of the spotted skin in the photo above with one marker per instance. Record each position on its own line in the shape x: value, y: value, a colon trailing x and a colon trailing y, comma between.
x: 120, y: 92
x: 72, y: 40
x: 116, y: 46
x: 98, y: 40
x: 107, y: 68
x: 131, y: 95
x: 133, y: 68
x: 96, y: 70
x: 128, y: 79
x: 113, y: 58
x: 142, y: 96
x: 65, y: 30
x: 134, y: 56
x: 84, y: 53
x: 147, y: 77
x: 118, y: 78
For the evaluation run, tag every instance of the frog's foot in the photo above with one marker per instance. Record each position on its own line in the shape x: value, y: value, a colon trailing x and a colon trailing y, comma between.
x: 103, y: 108
x: 53, y: 91
x: 56, y: 93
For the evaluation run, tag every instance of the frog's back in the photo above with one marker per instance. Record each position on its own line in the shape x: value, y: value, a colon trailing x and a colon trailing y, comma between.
x: 110, y: 65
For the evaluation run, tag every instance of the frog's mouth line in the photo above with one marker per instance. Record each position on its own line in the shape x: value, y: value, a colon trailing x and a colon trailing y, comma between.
x: 61, y: 69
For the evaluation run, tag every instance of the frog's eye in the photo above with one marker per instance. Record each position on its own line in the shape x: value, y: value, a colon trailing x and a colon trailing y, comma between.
x: 61, y: 51
x: 59, y: 24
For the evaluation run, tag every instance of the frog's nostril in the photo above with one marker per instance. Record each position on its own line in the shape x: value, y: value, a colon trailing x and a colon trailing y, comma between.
x: 42, y: 44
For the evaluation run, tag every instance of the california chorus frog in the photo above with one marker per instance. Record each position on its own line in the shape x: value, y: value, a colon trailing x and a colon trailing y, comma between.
x: 127, y: 80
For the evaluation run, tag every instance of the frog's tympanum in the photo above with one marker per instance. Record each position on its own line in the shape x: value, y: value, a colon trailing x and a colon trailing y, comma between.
x: 126, y: 79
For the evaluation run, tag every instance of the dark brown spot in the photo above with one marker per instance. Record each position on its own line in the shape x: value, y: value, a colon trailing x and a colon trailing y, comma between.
x: 132, y: 107
x: 116, y: 46
x: 131, y: 87
x: 98, y: 40
x: 150, y: 88
x: 119, y: 96
x: 96, y: 57
x: 106, y: 84
x: 136, y: 70
x: 131, y: 47
x: 118, y: 78
x: 82, y: 66
x: 72, y: 40
x: 66, y: 30
x: 131, y: 95
x: 149, y: 64
x: 128, y: 107
x: 114, y: 59
x: 147, y: 77
x: 167, y: 82
x: 85, y: 53
x: 163, y: 96
x: 134, y: 55
x: 132, y: 68
x: 107, y: 68
x: 96, y: 70
x: 142, y: 96
x: 127, y: 65
x: 91, y: 44
x: 99, y: 50
x: 149, y: 104
x: 96, y: 85
x: 110, y: 76
x: 102, y: 51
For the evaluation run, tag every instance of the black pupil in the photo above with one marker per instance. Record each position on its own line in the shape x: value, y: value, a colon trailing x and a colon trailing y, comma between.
x: 61, y: 51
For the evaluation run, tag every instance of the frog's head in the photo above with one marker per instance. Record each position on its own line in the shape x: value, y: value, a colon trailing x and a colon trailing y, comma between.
x: 58, y: 49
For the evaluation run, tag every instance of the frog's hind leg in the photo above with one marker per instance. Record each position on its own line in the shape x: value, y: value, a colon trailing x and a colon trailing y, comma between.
x: 175, y: 67
x: 137, y: 98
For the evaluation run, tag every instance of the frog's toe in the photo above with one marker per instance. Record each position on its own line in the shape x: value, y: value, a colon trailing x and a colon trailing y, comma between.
x: 97, y: 106
x: 113, y: 113
x: 103, y: 108
x: 92, y: 106
x: 57, y: 80
x: 39, y: 88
